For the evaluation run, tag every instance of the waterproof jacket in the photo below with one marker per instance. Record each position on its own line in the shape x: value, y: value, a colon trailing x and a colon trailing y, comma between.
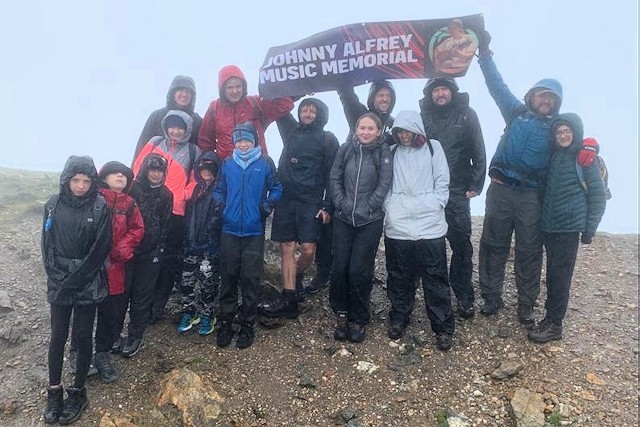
x: 353, y: 108
x: 307, y: 156
x: 360, y: 179
x: 155, y: 203
x: 76, y: 240
x: 222, y: 116
x: 153, y: 126
x: 457, y: 128
x: 522, y: 156
x: 203, y: 221
x: 246, y: 196
x: 567, y: 207
x: 181, y: 157
x: 415, y: 204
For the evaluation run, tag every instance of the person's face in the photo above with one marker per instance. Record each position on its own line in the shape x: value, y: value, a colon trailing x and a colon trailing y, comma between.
x: 367, y: 130
x: 308, y: 114
x: 564, y: 136
x: 382, y: 100
x: 233, y: 90
x: 116, y: 181
x: 155, y: 176
x: 176, y: 134
x: 405, y: 137
x: 182, y: 97
x: 244, y: 145
x: 206, y: 175
x: 79, y: 184
x: 544, y: 103
x: 441, y: 95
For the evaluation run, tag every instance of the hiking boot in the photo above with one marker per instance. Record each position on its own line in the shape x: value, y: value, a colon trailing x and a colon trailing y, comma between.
x: 105, y: 367
x: 526, y: 316
x: 357, y: 332
x: 285, y: 306
x: 341, y: 332
x: 317, y: 284
x: 225, y: 334
x: 132, y: 347
x: 74, y: 406
x: 396, y: 330
x: 466, y: 311
x: 300, y: 286
x: 117, y: 345
x: 207, y: 325
x: 443, y: 342
x: 246, y: 336
x: 187, y: 322
x: 55, y: 403
x: 546, y: 331
x: 491, y: 306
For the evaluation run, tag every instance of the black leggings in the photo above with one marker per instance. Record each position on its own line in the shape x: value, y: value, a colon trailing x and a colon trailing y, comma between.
x: 83, y: 317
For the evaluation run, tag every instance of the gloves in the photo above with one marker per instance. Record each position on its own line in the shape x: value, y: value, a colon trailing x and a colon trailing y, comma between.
x: 586, y: 239
x: 484, y: 38
x: 589, y: 152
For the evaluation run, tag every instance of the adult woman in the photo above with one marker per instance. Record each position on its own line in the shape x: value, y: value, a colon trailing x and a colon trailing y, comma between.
x: 360, y: 179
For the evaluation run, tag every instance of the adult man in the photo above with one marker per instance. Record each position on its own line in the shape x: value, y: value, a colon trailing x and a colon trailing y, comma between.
x: 233, y: 107
x: 448, y: 118
x: 304, y: 169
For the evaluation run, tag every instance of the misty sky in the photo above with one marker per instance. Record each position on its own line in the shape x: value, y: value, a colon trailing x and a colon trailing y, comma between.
x: 81, y: 77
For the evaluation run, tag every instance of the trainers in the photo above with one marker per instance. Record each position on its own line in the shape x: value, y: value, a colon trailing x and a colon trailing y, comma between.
x: 491, y: 306
x: 526, y: 316
x: 341, y: 333
x: 74, y: 406
x: 225, y: 334
x: 132, y: 347
x: 546, y: 331
x: 285, y: 306
x: 103, y: 363
x: 357, y: 332
x: 396, y: 331
x: 246, y: 336
x: 117, y: 345
x: 443, y: 342
x: 316, y: 285
x: 466, y: 311
x: 207, y: 325
x: 55, y: 403
x: 187, y: 321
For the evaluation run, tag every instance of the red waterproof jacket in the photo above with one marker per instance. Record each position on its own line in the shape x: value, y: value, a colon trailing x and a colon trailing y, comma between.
x: 128, y: 230
x: 222, y: 116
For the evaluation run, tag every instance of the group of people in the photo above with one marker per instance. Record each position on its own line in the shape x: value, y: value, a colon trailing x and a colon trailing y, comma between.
x: 191, y: 213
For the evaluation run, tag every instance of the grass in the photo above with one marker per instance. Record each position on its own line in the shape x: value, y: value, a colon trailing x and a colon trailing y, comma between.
x: 555, y: 418
x: 22, y: 191
x: 441, y: 418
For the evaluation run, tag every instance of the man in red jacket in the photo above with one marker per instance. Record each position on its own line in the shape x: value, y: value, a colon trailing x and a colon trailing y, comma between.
x: 233, y: 107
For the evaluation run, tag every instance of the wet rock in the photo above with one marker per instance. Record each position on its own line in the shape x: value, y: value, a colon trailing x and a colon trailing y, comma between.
x: 11, y: 334
x: 347, y: 414
x: 5, y: 303
x: 115, y: 421
x: 507, y: 369
x: 459, y: 420
x: 527, y: 408
x: 407, y: 360
x: 306, y: 382
x: 367, y: 367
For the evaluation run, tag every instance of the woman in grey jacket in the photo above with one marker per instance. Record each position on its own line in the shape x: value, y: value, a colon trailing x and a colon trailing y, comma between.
x: 360, y: 179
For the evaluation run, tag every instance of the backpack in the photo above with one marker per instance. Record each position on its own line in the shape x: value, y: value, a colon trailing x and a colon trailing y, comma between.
x: 604, y: 174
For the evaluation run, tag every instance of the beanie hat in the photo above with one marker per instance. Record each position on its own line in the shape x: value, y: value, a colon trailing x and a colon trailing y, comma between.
x: 116, y: 167
x: 175, y: 122
x: 434, y: 82
x: 245, y: 131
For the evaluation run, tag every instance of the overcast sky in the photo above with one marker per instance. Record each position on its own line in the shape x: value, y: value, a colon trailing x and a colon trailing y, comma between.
x: 81, y: 77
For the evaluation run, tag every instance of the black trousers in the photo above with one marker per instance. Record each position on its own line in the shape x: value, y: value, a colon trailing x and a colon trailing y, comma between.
x: 510, y: 209
x: 408, y: 260
x: 107, y: 328
x: 562, y: 250
x: 324, y: 252
x: 83, y: 317
x: 458, y: 215
x: 139, y: 290
x: 354, y: 255
x: 171, y: 269
x: 241, y: 269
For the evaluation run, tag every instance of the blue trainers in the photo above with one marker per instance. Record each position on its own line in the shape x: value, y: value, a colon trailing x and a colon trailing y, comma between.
x: 187, y: 322
x: 207, y: 325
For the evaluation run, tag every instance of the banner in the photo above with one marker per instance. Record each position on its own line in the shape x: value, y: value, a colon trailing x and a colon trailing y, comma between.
x: 359, y: 53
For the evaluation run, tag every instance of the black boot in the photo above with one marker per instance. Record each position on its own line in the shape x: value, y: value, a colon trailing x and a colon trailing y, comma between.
x: 55, y: 403
x: 491, y: 306
x: 317, y: 284
x: 526, y: 316
x: 285, y: 306
x: 300, y: 286
x: 74, y: 406
x: 357, y: 332
x: 103, y: 363
x: 341, y: 333
x: 246, y: 335
x: 546, y: 331
x: 224, y: 334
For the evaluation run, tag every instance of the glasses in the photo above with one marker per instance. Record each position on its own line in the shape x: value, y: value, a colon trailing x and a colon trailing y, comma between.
x: 564, y: 132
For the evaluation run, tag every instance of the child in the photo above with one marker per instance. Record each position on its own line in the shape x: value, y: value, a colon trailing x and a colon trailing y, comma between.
x: 76, y: 240
x: 200, y: 273
x: 247, y: 189
x: 155, y: 202
x: 567, y: 211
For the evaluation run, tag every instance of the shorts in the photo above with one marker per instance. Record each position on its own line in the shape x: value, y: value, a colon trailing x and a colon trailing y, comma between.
x: 295, y: 221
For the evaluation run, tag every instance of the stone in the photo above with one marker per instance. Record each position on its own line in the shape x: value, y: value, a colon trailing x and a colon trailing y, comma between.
x: 507, y: 369
x: 5, y: 303
x: 527, y: 408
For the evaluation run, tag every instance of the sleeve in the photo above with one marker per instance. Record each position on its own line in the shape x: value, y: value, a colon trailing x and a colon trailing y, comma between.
x: 385, y: 177
x: 220, y: 189
x: 478, y: 153
x: 274, y: 186
x: 336, y: 178
x: 330, y: 150
x: 165, y: 217
x: 440, y: 170
x: 352, y: 106
x: 596, y: 199
x: 146, y: 134
x: 273, y: 109
x: 287, y: 125
x: 123, y: 251
x: 46, y: 246
x: 207, y: 134
x: 506, y: 101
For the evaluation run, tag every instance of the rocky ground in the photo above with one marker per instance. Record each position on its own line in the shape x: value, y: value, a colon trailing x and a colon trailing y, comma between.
x: 297, y: 375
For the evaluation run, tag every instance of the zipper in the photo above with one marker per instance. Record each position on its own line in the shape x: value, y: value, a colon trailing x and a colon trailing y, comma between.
x: 355, y: 196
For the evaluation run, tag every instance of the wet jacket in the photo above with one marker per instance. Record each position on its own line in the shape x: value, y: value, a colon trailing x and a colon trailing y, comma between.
x: 307, y: 156
x: 153, y: 126
x: 567, y: 207
x: 522, y: 156
x: 155, y: 205
x: 415, y: 204
x: 457, y: 128
x: 246, y: 196
x: 222, y: 116
x: 360, y: 179
x: 181, y: 157
x: 76, y: 240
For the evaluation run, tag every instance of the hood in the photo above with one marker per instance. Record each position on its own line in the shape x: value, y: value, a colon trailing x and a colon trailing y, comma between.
x: 73, y: 166
x: 322, y: 112
x: 575, y: 123
x: 181, y: 82
x: 411, y: 121
x: 152, y: 161
x: 440, y: 81
x: 225, y: 74
x: 207, y: 160
x: 550, y: 84
x: 375, y: 87
x: 184, y: 116
x: 115, y: 167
